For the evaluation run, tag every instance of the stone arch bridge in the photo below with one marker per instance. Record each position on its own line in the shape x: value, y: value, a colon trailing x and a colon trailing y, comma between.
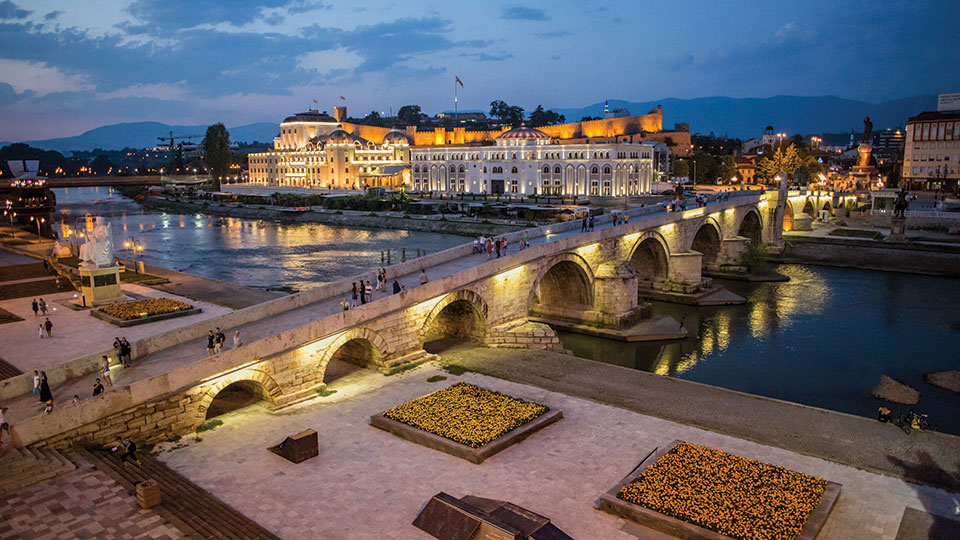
x: 590, y: 278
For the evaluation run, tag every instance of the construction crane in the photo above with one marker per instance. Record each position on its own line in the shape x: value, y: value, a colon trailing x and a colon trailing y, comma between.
x: 172, y: 139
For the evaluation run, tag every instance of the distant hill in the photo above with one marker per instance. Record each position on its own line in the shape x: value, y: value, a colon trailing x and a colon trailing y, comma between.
x: 144, y: 134
x: 747, y: 117
x: 735, y: 117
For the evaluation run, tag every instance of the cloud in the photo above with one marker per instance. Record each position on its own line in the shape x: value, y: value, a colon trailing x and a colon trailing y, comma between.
x: 520, y: 13
x: 161, y: 91
x: 484, y: 57
x: 327, y: 61
x: 9, y: 95
x: 787, y: 30
x: 9, y: 10
x: 158, y: 17
x: 39, y: 78
x: 52, y: 15
x: 305, y: 6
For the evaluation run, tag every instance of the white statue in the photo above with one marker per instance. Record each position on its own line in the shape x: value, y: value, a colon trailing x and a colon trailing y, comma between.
x: 97, y: 251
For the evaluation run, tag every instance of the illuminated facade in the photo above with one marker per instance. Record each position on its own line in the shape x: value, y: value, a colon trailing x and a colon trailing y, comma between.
x: 314, y: 150
x: 523, y: 161
x: 931, y: 157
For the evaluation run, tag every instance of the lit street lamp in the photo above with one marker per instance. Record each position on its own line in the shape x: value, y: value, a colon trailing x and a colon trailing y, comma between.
x: 39, y: 221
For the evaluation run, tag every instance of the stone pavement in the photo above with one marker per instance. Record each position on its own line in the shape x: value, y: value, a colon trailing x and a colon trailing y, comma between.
x: 171, y: 358
x: 367, y: 483
x: 85, y: 504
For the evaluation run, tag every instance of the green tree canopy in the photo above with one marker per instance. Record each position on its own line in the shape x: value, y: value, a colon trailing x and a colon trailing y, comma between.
x: 540, y: 117
x: 499, y: 109
x: 217, y: 146
x: 783, y: 161
x: 409, y: 115
x: 680, y: 168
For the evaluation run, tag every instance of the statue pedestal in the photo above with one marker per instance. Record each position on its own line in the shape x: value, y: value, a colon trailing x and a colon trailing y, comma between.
x: 100, y: 285
x: 898, y: 230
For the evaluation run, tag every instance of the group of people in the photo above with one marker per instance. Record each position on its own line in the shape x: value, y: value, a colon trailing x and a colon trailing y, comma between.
x: 587, y: 224
x: 124, y: 351
x: 620, y: 218
x: 41, y: 388
x: 216, y: 339
x: 499, y: 245
x: 39, y: 306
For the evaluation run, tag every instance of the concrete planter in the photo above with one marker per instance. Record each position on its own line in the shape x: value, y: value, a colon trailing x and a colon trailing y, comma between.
x: 143, y: 320
x: 473, y: 455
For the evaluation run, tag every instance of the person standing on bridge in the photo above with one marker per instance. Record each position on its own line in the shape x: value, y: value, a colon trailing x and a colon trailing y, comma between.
x: 46, y: 397
x: 489, y: 248
x: 591, y: 223
x: 105, y: 370
x: 497, y: 246
x: 396, y: 286
x: 210, y: 342
x: 353, y: 302
x: 583, y: 224
x: 423, y: 277
x: 237, y: 342
x: 369, y: 291
x: 363, y: 293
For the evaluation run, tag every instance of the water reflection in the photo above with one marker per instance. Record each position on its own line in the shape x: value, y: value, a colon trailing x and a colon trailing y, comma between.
x: 824, y: 339
x: 243, y: 251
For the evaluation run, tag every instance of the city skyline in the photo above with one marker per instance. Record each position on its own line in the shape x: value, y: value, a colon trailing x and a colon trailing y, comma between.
x: 68, y: 68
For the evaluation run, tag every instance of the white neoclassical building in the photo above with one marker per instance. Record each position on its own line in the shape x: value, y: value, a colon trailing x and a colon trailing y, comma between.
x: 523, y: 161
x: 314, y: 150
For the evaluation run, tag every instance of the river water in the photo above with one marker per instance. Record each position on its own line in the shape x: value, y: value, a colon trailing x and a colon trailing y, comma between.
x: 824, y: 338
x: 244, y: 251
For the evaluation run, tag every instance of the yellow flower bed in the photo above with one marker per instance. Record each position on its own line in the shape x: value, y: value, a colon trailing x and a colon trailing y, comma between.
x: 728, y: 494
x: 139, y: 309
x: 466, y: 413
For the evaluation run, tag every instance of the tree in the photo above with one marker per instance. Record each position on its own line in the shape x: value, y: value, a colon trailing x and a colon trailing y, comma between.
x: 783, y: 161
x: 217, y: 146
x: 680, y: 169
x: 409, y: 115
x: 371, y: 117
x: 728, y: 169
x: 101, y: 165
x: 540, y: 117
x: 514, y: 115
x: 499, y: 109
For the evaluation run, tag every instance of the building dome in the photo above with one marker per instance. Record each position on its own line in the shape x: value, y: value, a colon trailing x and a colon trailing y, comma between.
x: 339, y: 136
x: 523, y: 133
x: 395, y: 137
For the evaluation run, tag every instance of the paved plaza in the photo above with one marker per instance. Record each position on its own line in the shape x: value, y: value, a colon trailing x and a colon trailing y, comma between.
x: 367, y: 483
x: 83, y: 505
x: 76, y: 333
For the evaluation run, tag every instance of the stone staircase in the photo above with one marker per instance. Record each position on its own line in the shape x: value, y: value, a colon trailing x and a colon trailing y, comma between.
x: 197, y: 513
x: 17, y: 272
x: 33, y: 287
x: 8, y: 370
x: 414, y: 357
x: 26, y: 466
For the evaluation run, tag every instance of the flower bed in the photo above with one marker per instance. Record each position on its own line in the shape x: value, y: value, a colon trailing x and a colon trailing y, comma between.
x: 466, y: 414
x: 140, y: 309
x: 731, y: 495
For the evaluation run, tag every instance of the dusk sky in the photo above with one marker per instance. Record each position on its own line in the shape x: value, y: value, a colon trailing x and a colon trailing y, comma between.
x: 67, y: 66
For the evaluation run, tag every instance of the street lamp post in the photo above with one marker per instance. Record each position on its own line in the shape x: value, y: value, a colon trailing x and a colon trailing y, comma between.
x: 39, y: 220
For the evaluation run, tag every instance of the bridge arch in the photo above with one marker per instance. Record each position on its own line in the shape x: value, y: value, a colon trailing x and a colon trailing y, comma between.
x: 250, y: 381
x: 707, y: 241
x: 828, y: 207
x: 751, y: 226
x: 461, y: 315
x: 809, y: 208
x: 565, y: 279
x: 359, y: 346
x: 788, y: 216
x: 651, y: 257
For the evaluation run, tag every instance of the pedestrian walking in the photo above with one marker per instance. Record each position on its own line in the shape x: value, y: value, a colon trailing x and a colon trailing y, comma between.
x: 344, y: 305
x: 396, y: 286
x: 76, y: 399
x: 526, y: 240
x: 369, y: 291
x: 126, y: 352
x: 36, y: 383
x: 626, y: 218
x: 128, y: 451
x: 237, y: 342
x: 3, y: 426
x: 97, y: 388
x: 48, y: 326
x: 105, y: 370
x: 36, y: 308
x: 219, y: 338
x: 353, y: 303
x: 489, y: 249
x: 363, y: 293
x: 118, y: 347
x: 46, y: 397
x: 496, y: 244
x: 583, y: 224
x: 210, y: 342
x: 591, y: 223
x: 379, y: 281
x: 503, y: 247
x: 41, y: 330
x: 423, y: 277
x: 43, y: 307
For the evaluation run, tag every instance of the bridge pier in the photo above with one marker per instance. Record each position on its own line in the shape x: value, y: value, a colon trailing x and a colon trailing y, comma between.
x: 730, y: 257
x: 616, y: 296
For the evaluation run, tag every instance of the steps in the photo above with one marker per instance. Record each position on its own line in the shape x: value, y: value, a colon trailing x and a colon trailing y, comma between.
x: 27, y: 466
x: 194, y: 511
x: 8, y: 370
x: 7, y: 317
x: 16, y: 272
x: 33, y: 288
x: 414, y: 357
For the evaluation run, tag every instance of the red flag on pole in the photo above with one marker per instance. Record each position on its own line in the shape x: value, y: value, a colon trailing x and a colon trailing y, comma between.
x: 459, y: 81
x: 343, y: 98
x: 314, y: 101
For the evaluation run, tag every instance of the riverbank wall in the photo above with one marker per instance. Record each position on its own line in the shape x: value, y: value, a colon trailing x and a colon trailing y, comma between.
x: 331, y: 217
x: 910, y: 257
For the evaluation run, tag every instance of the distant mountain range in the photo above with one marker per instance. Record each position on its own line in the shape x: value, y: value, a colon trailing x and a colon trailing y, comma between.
x: 144, y: 135
x: 735, y: 117
x: 746, y: 118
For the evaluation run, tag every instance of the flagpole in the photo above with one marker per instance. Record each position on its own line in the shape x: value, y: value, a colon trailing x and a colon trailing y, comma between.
x: 456, y: 101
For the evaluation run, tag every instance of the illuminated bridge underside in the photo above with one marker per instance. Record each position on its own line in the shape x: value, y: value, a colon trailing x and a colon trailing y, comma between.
x: 590, y: 278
